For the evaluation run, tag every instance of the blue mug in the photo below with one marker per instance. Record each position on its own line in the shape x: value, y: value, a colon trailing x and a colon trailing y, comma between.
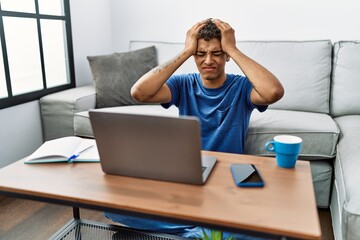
x: 287, y: 149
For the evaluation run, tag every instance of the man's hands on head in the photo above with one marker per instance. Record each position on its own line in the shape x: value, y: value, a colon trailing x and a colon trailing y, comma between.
x: 228, y: 41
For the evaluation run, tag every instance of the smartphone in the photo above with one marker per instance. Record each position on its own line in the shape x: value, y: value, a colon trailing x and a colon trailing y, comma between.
x: 246, y: 175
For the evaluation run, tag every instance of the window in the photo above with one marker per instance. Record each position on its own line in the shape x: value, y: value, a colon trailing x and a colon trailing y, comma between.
x: 35, y: 50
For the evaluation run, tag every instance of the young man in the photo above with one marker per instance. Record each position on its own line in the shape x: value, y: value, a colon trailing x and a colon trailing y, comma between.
x: 223, y: 102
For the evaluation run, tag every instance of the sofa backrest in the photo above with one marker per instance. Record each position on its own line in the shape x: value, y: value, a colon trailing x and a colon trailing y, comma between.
x: 345, y: 90
x: 303, y: 67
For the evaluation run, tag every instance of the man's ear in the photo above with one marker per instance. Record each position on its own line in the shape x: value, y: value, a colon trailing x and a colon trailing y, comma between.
x: 227, y: 57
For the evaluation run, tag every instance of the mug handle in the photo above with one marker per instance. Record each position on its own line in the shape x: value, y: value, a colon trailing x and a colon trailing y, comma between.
x: 270, y: 146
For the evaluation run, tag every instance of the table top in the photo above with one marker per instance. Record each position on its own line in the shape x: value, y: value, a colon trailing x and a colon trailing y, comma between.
x: 285, y: 206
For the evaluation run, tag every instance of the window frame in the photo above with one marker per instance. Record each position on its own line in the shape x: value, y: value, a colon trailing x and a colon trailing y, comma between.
x: 12, y: 100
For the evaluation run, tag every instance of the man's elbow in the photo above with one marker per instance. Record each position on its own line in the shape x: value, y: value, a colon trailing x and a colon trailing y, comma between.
x: 277, y: 94
x: 137, y: 94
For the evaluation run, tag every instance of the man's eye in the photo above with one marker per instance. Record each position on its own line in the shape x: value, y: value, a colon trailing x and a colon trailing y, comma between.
x: 200, y: 54
x: 218, y: 53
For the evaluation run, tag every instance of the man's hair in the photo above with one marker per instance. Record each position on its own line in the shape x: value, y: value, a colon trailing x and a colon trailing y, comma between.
x: 209, y: 31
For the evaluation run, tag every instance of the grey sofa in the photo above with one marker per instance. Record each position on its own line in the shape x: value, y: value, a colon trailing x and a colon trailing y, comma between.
x: 321, y: 105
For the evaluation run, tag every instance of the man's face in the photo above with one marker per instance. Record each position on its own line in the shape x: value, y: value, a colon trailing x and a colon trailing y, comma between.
x: 210, y: 60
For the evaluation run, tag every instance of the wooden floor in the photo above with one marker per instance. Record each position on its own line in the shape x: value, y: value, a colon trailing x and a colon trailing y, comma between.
x: 24, y: 219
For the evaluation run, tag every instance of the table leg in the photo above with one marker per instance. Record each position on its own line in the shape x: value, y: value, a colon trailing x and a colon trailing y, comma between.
x: 76, y: 213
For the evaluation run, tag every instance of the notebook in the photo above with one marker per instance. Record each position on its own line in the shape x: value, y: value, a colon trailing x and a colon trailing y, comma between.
x: 152, y: 147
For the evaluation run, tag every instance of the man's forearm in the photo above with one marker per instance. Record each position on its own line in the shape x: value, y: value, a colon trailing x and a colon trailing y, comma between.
x: 152, y: 82
x: 264, y: 82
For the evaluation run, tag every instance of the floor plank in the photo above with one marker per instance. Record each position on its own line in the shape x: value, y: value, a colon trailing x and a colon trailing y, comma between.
x: 326, y: 224
x: 25, y: 219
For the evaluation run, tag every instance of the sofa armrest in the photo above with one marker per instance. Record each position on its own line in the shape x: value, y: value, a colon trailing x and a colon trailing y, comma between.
x: 58, y: 109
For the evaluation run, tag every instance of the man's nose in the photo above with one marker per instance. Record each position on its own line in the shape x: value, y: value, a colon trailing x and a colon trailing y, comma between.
x: 208, y: 58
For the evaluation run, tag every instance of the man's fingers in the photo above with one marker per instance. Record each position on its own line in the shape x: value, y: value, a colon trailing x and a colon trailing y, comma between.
x: 199, y: 25
x: 221, y: 25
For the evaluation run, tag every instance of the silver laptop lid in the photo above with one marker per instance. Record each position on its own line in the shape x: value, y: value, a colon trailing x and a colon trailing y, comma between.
x: 153, y: 147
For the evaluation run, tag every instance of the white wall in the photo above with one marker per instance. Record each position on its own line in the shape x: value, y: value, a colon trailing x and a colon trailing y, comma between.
x: 168, y: 20
x: 91, y: 31
x: 20, y: 131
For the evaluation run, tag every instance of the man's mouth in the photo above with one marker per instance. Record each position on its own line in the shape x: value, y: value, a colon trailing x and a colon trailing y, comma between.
x: 208, y: 69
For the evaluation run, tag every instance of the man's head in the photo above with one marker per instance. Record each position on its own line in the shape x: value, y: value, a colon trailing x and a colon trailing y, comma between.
x: 210, y: 59
x: 209, y: 31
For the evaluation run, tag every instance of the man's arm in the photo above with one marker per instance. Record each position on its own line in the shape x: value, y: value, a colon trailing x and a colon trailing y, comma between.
x: 151, y: 87
x: 267, y: 89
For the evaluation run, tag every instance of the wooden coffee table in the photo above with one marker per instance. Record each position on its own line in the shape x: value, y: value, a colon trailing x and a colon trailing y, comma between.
x: 284, y: 207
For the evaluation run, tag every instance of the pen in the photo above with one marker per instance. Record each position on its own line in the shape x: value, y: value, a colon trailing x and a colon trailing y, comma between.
x: 72, y: 157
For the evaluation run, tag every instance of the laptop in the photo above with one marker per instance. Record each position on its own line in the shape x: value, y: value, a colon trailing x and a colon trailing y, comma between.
x: 152, y: 147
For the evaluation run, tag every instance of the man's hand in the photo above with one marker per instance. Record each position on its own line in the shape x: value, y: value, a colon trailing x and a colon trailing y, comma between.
x: 228, y: 41
x: 191, y: 37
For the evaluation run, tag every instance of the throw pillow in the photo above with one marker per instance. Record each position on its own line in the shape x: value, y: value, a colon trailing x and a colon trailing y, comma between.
x: 115, y: 74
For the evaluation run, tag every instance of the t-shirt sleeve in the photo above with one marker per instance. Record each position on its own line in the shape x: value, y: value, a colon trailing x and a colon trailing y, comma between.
x: 173, y: 84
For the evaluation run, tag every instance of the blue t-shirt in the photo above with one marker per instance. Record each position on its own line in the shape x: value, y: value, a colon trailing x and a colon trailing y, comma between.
x: 224, y: 112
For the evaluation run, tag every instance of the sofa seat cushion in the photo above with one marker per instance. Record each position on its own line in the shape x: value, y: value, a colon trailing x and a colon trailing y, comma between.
x: 82, y: 126
x: 345, y: 202
x: 318, y: 131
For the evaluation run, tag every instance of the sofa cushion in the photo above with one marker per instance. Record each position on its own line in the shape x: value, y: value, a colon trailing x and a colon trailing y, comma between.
x: 82, y: 126
x: 345, y: 207
x: 114, y: 75
x: 298, y: 65
x: 304, y: 65
x: 318, y: 131
x: 345, y: 99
